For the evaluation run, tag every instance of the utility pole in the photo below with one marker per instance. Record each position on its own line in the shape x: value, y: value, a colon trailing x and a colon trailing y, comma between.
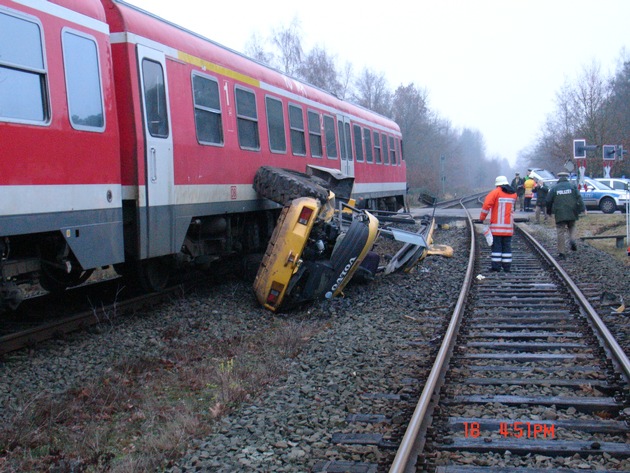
x: 443, y: 174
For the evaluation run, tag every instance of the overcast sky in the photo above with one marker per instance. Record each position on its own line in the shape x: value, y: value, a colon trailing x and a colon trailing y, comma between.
x: 490, y: 65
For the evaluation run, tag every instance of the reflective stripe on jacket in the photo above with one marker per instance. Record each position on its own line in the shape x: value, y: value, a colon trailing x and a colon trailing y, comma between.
x: 500, y: 204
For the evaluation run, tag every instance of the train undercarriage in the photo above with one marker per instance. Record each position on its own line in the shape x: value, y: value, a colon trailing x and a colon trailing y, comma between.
x: 48, y: 261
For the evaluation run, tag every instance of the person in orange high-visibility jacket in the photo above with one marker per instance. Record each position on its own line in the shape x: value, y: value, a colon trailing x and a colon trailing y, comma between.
x: 499, y: 203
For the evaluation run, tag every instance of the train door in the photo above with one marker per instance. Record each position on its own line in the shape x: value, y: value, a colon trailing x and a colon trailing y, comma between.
x: 345, y: 145
x: 160, y: 193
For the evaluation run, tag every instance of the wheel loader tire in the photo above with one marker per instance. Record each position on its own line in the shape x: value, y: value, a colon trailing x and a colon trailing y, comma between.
x: 283, y: 185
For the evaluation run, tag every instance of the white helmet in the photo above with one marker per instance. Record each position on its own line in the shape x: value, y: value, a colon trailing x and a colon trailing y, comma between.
x: 501, y: 181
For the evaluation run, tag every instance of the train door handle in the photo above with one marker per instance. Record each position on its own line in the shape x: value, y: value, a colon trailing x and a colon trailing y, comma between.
x: 153, y: 165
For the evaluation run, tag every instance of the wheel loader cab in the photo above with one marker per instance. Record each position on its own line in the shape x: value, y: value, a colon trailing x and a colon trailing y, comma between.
x: 312, y: 254
x: 283, y: 256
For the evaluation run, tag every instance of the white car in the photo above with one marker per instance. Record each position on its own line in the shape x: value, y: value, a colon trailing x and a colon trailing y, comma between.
x: 619, y: 184
x: 597, y: 195
x: 538, y: 173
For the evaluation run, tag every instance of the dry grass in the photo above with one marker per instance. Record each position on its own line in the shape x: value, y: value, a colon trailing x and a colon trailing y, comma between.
x: 605, y: 224
x: 142, y: 413
x: 601, y: 224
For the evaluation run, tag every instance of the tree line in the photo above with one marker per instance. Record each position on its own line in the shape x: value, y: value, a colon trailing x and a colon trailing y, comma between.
x: 595, y: 106
x: 441, y: 159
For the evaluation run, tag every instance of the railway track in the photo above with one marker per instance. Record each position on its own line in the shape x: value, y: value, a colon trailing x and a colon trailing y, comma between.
x: 472, y: 200
x: 25, y: 332
x: 47, y: 316
x: 378, y: 402
x: 527, y: 377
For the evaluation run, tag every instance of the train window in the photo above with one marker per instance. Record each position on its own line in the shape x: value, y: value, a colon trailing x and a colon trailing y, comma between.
x: 331, y: 141
x: 155, y: 98
x: 208, y: 122
x: 23, y: 75
x: 358, y: 143
x: 342, y: 141
x: 315, y: 134
x: 348, y: 139
x: 247, y: 117
x: 367, y: 137
x: 275, y: 122
x: 392, y: 150
x: 83, y: 82
x: 377, y: 147
x: 402, y: 156
x: 385, y: 150
x: 296, y: 122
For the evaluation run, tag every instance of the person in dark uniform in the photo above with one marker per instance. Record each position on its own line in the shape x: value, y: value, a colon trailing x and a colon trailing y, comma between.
x: 517, y: 185
x: 541, y: 200
x: 565, y: 203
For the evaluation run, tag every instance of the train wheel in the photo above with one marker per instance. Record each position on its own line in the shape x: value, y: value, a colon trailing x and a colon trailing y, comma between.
x: 249, y: 265
x: 283, y: 185
x: 153, y: 274
x: 54, y: 279
x: 59, y: 269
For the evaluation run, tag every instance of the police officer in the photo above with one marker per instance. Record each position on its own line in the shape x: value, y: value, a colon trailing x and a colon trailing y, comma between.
x: 517, y: 185
x: 541, y: 200
x: 565, y: 202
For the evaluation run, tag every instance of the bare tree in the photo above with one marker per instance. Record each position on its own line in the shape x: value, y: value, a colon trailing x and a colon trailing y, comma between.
x: 289, y: 45
x: 409, y: 107
x: 619, y: 109
x: 318, y: 68
x: 582, y: 111
x: 555, y: 142
x: 589, y: 102
x: 256, y: 50
x: 372, y: 92
x: 345, y: 81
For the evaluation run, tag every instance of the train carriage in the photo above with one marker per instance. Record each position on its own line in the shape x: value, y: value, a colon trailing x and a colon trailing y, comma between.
x: 60, y: 177
x: 165, y: 166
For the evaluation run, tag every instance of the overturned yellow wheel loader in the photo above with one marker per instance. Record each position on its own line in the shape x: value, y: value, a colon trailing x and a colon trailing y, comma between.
x: 312, y: 255
x: 320, y: 240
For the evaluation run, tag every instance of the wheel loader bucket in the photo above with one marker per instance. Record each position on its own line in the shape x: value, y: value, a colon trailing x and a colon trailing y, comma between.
x: 441, y: 250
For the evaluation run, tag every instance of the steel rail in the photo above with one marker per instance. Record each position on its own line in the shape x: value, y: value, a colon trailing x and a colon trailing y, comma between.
x: 79, y: 321
x: 410, y: 439
x: 459, y: 202
x: 86, y: 318
x: 408, y: 443
x: 609, y: 340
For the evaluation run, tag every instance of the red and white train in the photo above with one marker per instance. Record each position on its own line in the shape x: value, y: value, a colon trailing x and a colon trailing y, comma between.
x: 129, y: 141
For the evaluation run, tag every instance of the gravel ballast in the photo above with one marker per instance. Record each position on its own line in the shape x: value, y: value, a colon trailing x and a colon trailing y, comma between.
x: 377, y: 338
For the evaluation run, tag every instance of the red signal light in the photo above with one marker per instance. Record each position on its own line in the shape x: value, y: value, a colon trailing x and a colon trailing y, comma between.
x: 305, y: 215
x: 274, y: 293
x: 272, y: 297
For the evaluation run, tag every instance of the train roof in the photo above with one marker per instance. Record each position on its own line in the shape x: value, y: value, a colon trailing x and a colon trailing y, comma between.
x: 132, y: 19
x: 89, y: 8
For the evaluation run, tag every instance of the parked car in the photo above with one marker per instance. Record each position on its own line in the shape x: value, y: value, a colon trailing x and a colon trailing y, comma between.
x: 597, y: 195
x: 620, y: 184
x: 538, y: 173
